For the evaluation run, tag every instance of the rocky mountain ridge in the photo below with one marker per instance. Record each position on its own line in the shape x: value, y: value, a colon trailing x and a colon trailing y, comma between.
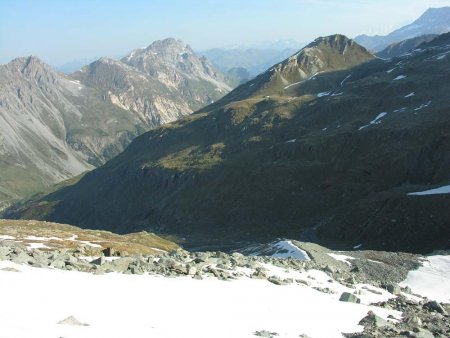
x: 58, y: 126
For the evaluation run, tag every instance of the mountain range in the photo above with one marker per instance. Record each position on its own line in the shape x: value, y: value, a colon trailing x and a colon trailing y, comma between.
x: 433, y: 21
x: 329, y: 145
x: 56, y: 126
x: 253, y: 60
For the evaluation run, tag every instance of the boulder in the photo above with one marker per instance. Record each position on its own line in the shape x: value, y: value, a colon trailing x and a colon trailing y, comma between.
x: 435, y: 306
x: 350, y: 298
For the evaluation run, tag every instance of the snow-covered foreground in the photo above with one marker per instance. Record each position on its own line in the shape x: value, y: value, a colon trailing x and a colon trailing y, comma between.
x: 432, y: 280
x: 116, y: 305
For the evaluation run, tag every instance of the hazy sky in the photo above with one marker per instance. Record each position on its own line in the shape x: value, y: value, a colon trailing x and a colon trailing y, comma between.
x: 59, y: 31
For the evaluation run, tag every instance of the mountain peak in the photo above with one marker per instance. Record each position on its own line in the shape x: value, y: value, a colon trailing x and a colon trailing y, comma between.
x: 31, y: 66
x: 335, y: 41
x: 168, y: 43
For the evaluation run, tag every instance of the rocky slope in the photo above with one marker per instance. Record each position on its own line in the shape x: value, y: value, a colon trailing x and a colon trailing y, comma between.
x: 333, y: 158
x: 372, y: 290
x: 325, y: 54
x: 433, y: 21
x: 159, y: 83
x: 55, y: 126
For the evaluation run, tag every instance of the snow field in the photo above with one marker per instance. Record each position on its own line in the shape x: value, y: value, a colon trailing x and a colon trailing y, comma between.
x: 117, y: 305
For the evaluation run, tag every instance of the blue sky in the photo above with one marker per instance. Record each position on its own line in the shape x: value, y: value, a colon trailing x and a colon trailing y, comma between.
x: 59, y: 31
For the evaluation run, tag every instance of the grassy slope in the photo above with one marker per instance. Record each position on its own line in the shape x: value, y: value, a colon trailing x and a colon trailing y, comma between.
x: 58, y: 236
x: 229, y: 173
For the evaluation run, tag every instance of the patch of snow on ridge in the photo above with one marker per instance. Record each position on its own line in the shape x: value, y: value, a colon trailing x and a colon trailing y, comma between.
x: 286, y: 249
x: 341, y: 258
x: 410, y: 95
x: 374, y: 121
x: 36, y: 238
x: 422, y: 106
x: 400, y: 77
x: 7, y: 237
x: 438, y: 191
x: 323, y: 94
x: 248, y: 305
x: 37, y: 246
x: 343, y: 81
x: 432, y: 279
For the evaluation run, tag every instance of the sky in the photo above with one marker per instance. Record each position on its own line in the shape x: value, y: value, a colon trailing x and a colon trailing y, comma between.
x: 60, y: 31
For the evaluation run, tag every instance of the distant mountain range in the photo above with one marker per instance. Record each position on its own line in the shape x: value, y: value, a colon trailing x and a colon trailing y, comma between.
x: 253, y: 60
x: 325, y: 146
x: 433, y: 21
x: 56, y: 126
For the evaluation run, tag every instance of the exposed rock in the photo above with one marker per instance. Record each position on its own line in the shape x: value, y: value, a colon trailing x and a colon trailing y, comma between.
x: 265, y: 333
x: 348, y: 297
x: 435, y: 306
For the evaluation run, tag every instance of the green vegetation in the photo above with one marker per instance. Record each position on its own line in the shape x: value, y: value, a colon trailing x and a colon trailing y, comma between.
x: 293, y: 164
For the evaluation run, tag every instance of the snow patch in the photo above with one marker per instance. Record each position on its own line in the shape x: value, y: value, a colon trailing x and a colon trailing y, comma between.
x: 286, y: 249
x: 7, y: 237
x: 410, y: 95
x: 422, y: 106
x: 400, y: 77
x: 343, y: 81
x: 432, y: 279
x: 438, y: 191
x: 248, y: 305
x: 374, y: 121
x: 323, y: 94
x: 341, y: 258
x: 37, y: 246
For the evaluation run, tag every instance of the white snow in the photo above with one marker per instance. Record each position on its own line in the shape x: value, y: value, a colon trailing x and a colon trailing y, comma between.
x: 390, y: 70
x: 119, y: 305
x: 287, y: 249
x: 37, y: 246
x: 400, y: 77
x: 374, y: 121
x: 293, y: 84
x: 441, y: 190
x: 402, y: 109
x: 323, y: 94
x: 341, y: 258
x: 343, y: 81
x: 410, y: 95
x: 292, y: 141
x: 432, y: 280
x: 93, y: 245
x: 35, y: 238
x: 357, y: 246
x: 7, y: 237
x: 422, y: 106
